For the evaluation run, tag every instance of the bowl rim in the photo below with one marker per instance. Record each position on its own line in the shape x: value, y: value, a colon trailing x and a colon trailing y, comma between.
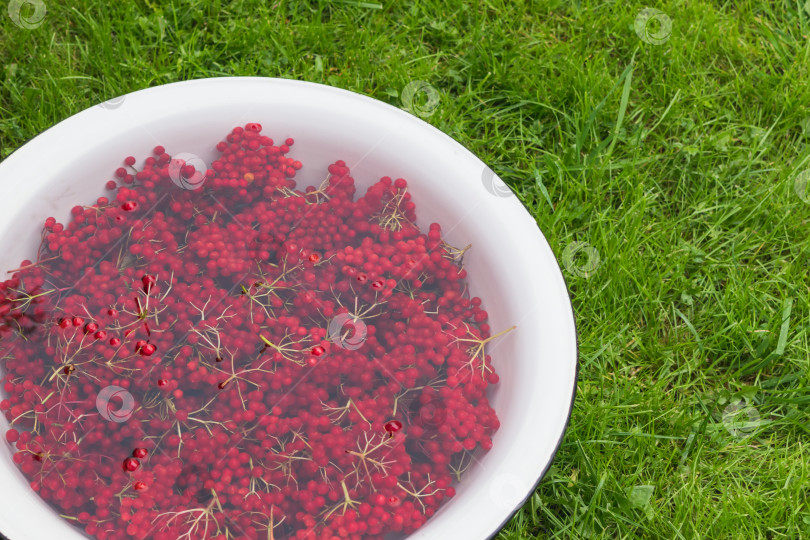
x: 565, y: 426
x: 15, y: 155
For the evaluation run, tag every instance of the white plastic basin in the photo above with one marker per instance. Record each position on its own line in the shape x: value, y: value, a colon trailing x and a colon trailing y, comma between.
x: 510, y: 265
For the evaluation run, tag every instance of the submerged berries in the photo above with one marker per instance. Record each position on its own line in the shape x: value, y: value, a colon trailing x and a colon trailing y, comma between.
x: 242, y: 358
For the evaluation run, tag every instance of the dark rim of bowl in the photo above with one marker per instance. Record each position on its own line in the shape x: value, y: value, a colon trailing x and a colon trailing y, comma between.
x: 565, y: 427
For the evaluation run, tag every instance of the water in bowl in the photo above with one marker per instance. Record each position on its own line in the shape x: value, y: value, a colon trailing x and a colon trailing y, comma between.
x: 216, y: 353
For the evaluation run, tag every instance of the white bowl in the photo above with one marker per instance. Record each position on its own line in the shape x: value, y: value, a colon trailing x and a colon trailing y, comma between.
x: 510, y: 265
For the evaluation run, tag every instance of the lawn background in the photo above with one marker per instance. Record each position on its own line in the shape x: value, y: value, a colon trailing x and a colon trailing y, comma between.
x: 674, y: 158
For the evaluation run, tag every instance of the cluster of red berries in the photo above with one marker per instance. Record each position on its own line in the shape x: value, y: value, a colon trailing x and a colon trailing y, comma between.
x: 246, y: 359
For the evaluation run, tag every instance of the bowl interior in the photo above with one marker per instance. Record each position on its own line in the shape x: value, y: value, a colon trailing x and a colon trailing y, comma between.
x: 510, y: 264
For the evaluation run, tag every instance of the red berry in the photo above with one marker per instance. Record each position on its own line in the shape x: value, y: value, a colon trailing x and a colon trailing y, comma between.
x: 131, y: 464
x: 148, y: 281
x: 140, y: 453
x: 392, y: 426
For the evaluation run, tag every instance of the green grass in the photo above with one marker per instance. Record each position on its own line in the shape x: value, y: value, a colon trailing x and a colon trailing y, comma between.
x: 675, y: 162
